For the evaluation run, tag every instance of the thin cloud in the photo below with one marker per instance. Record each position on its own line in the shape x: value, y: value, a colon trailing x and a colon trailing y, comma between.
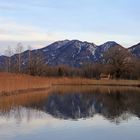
x: 10, y: 30
x: 19, y: 6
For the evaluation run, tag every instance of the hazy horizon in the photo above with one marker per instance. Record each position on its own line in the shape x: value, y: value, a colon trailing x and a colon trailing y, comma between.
x: 40, y: 22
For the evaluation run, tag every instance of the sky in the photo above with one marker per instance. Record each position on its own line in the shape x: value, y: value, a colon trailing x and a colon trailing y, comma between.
x: 37, y: 23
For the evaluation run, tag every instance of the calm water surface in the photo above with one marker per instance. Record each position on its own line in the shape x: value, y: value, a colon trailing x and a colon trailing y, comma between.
x: 72, y: 113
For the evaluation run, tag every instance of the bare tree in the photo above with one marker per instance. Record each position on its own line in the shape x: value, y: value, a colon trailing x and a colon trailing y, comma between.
x: 37, y: 66
x: 136, y: 69
x: 8, y: 53
x: 119, y: 60
x: 91, y: 70
x: 29, y: 59
x: 19, y: 50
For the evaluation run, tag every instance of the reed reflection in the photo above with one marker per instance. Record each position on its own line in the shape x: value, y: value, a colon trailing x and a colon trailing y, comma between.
x: 114, y: 103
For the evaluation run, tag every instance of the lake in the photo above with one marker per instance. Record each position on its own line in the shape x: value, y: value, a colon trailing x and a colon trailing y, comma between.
x: 72, y: 113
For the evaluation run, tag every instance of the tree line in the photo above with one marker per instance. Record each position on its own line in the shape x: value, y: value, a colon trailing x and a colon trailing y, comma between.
x: 117, y: 62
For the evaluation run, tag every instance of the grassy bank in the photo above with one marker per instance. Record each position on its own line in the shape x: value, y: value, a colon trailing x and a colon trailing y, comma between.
x: 20, y: 82
x: 82, y: 81
x: 14, y: 82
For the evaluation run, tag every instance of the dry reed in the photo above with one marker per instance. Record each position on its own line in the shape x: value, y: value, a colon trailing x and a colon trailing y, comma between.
x: 14, y: 82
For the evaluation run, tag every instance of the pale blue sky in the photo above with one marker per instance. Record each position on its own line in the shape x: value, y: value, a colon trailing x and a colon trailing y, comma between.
x: 39, y: 22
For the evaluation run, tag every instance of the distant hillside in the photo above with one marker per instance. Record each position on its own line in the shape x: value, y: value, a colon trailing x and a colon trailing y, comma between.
x: 135, y: 50
x: 73, y: 53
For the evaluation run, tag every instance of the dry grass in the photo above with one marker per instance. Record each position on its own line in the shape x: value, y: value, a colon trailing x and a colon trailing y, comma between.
x: 14, y: 82
x: 82, y: 81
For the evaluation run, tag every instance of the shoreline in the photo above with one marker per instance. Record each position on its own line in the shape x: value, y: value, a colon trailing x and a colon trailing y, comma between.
x: 22, y: 91
x: 113, y: 85
x: 18, y: 83
x: 93, y: 82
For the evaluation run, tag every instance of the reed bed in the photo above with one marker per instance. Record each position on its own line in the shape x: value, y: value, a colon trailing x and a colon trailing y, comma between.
x: 84, y: 81
x: 10, y: 83
x: 15, y: 82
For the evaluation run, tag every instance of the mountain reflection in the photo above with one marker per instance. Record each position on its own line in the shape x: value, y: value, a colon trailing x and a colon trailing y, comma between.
x: 114, y: 103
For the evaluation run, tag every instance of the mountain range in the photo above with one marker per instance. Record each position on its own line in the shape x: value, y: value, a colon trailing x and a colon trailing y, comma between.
x: 72, y: 52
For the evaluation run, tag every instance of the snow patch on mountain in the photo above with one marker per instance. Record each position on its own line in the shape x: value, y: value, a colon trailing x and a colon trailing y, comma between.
x: 92, y: 49
x: 73, y: 53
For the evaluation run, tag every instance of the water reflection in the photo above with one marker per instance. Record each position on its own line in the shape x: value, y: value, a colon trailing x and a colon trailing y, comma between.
x: 113, y: 103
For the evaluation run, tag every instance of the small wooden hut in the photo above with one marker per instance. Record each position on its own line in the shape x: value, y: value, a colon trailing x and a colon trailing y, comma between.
x: 104, y: 76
